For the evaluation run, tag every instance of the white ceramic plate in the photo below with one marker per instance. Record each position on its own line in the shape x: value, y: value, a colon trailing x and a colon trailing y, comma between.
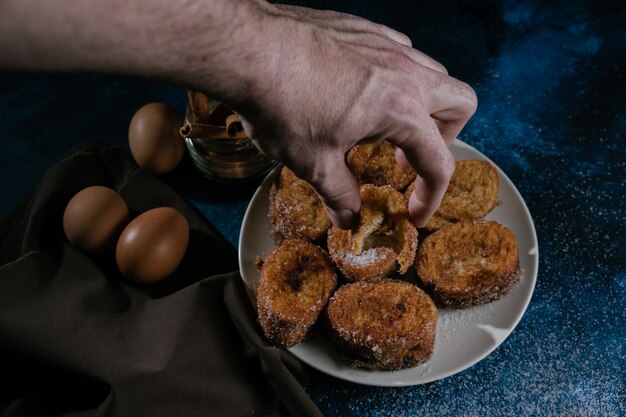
x: 464, y: 337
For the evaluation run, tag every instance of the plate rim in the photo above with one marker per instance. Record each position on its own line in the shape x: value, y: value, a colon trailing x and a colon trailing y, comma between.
x: 345, y: 375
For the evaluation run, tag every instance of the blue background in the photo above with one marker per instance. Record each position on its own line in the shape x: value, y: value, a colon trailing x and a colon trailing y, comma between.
x: 551, y: 84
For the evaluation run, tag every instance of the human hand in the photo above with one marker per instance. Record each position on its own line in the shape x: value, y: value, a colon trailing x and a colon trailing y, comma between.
x: 310, y: 84
x: 331, y: 81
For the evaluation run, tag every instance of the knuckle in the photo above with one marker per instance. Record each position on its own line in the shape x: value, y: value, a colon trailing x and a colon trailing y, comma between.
x: 395, y: 35
x: 407, y: 41
x: 335, y: 189
x: 439, y: 67
x: 401, y: 102
x: 319, y: 178
x: 316, y: 177
x: 396, y: 58
x: 469, y: 97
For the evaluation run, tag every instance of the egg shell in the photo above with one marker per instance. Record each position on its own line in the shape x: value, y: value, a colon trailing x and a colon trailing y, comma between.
x: 154, y: 138
x: 94, y: 218
x: 152, y: 245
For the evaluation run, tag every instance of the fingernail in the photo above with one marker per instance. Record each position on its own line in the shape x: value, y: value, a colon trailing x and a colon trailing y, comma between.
x: 344, y: 219
x: 419, y: 221
x: 416, y: 219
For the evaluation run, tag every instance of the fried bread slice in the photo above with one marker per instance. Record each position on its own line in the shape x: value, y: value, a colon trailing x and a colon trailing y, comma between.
x: 295, y: 210
x: 471, y: 194
x: 297, y: 278
x: 469, y: 263
x: 384, y: 242
x: 385, y: 325
x: 375, y: 163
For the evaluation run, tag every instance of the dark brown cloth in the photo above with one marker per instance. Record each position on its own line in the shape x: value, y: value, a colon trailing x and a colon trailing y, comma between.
x: 76, y: 339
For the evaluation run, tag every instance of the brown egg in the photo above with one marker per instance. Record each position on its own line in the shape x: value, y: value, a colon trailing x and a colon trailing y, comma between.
x: 154, y: 139
x: 94, y: 218
x: 152, y: 245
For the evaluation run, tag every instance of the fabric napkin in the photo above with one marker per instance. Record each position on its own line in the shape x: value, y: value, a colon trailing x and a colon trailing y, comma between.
x: 76, y: 339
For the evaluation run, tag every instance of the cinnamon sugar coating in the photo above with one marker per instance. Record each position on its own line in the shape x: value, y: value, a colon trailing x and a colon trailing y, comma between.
x: 297, y: 278
x: 385, y: 241
x: 471, y: 194
x: 295, y: 210
x: 384, y: 325
x: 375, y: 163
x: 469, y: 263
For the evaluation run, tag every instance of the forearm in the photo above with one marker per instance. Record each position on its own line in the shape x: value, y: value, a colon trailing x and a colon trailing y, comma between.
x: 197, y: 42
x: 308, y: 84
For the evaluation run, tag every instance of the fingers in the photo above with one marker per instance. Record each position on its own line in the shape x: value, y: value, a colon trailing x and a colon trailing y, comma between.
x: 336, y: 186
x: 381, y: 87
x: 452, y: 104
x: 449, y: 130
x: 449, y: 102
x: 424, y: 148
x: 430, y: 187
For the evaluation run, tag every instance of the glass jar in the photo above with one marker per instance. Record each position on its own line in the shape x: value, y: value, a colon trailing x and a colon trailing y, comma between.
x: 217, y: 143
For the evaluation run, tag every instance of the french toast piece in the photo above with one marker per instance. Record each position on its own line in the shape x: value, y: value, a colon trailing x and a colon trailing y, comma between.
x: 471, y: 194
x: 295, y: 210
x: 375, y: 163
x: 384, y: 325
x: 469, y: 263
x: 297, y: 278
x: 384, y: 242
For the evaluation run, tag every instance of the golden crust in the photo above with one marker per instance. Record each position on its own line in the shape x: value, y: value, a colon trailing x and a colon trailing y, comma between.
x: 384, y: 325
x: 295, y: 210
x: 384, y: 242
x: 375, y: 163
x: 469, y: 263
x: 297, y: 278
x: 471, y: 194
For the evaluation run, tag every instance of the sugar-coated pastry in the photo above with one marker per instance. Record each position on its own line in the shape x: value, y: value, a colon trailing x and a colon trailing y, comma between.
x: 471, y: 194
x: 375, y: 163
x: 297, y: 278
x: 296, y: 211
x: 469, y: 263
x: 384, y: 325
x: 385, y: 241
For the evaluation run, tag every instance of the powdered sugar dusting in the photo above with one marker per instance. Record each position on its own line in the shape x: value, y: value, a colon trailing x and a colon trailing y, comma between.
x: 365, y: 258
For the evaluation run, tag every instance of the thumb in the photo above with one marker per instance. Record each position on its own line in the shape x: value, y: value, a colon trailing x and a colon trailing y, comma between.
x: 336, y: 186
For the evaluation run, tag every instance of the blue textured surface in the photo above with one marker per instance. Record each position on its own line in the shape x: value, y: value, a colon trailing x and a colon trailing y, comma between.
x: 551, y: 82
